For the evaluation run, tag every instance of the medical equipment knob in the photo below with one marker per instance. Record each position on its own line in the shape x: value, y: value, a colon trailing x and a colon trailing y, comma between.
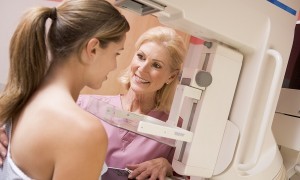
x: 207, y: 44
x: 203, y: 78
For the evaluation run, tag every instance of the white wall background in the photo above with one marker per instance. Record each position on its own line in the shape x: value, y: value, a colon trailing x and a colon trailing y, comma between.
x: 10, y: 13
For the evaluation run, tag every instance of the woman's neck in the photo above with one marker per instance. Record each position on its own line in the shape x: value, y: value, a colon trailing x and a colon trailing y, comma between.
x: 140, y: 103
x: 61, y: 75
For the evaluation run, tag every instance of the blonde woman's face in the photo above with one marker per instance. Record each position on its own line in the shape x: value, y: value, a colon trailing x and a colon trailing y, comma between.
x: 150, y: 68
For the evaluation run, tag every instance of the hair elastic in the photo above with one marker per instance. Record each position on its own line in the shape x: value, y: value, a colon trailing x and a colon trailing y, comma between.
x: 53, y: 14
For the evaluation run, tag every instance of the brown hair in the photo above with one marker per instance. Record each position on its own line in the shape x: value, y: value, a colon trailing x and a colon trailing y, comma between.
x: 74, y: 22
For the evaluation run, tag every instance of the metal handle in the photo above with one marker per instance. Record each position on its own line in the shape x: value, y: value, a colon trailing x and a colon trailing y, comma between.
x: 268, y: 111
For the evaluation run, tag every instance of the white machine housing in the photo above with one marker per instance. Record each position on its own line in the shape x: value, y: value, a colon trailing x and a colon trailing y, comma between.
x: 239, y: 128
x: 206, y: 115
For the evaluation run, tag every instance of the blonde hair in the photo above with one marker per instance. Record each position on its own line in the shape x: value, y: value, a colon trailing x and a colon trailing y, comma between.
x: 174, y: 44
x: 74, y: 22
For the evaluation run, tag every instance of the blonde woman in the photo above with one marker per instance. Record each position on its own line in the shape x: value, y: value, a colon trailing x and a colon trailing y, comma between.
x: 151, y: 81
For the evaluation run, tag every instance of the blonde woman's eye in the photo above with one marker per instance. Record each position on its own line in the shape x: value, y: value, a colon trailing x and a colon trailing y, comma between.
x: 156, y: 65
x: 141, y: 57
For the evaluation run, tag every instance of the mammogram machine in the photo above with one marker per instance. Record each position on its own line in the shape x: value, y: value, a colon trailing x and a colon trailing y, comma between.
x: 227, y: 98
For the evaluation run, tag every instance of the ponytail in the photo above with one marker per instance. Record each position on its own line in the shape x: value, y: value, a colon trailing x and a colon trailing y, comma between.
x: 28, y: 62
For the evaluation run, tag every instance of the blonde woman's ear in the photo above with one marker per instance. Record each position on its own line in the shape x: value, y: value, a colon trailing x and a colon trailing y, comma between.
x: 169, y: 80
x: 172, y: 77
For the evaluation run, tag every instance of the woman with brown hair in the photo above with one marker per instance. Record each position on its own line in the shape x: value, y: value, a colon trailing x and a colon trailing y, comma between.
x: 50, y: 137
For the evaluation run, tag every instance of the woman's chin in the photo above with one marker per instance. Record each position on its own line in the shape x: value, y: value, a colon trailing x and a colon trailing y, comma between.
x: 97, y: 86
x: 138, y: 89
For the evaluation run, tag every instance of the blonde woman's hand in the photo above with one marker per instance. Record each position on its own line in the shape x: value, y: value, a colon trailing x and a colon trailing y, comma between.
x: 153, y: 169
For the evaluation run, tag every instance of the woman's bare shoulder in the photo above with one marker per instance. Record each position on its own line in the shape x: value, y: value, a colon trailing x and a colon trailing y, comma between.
x: 80, y: 124
x: 83, y: 144
x: 68, y: 127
